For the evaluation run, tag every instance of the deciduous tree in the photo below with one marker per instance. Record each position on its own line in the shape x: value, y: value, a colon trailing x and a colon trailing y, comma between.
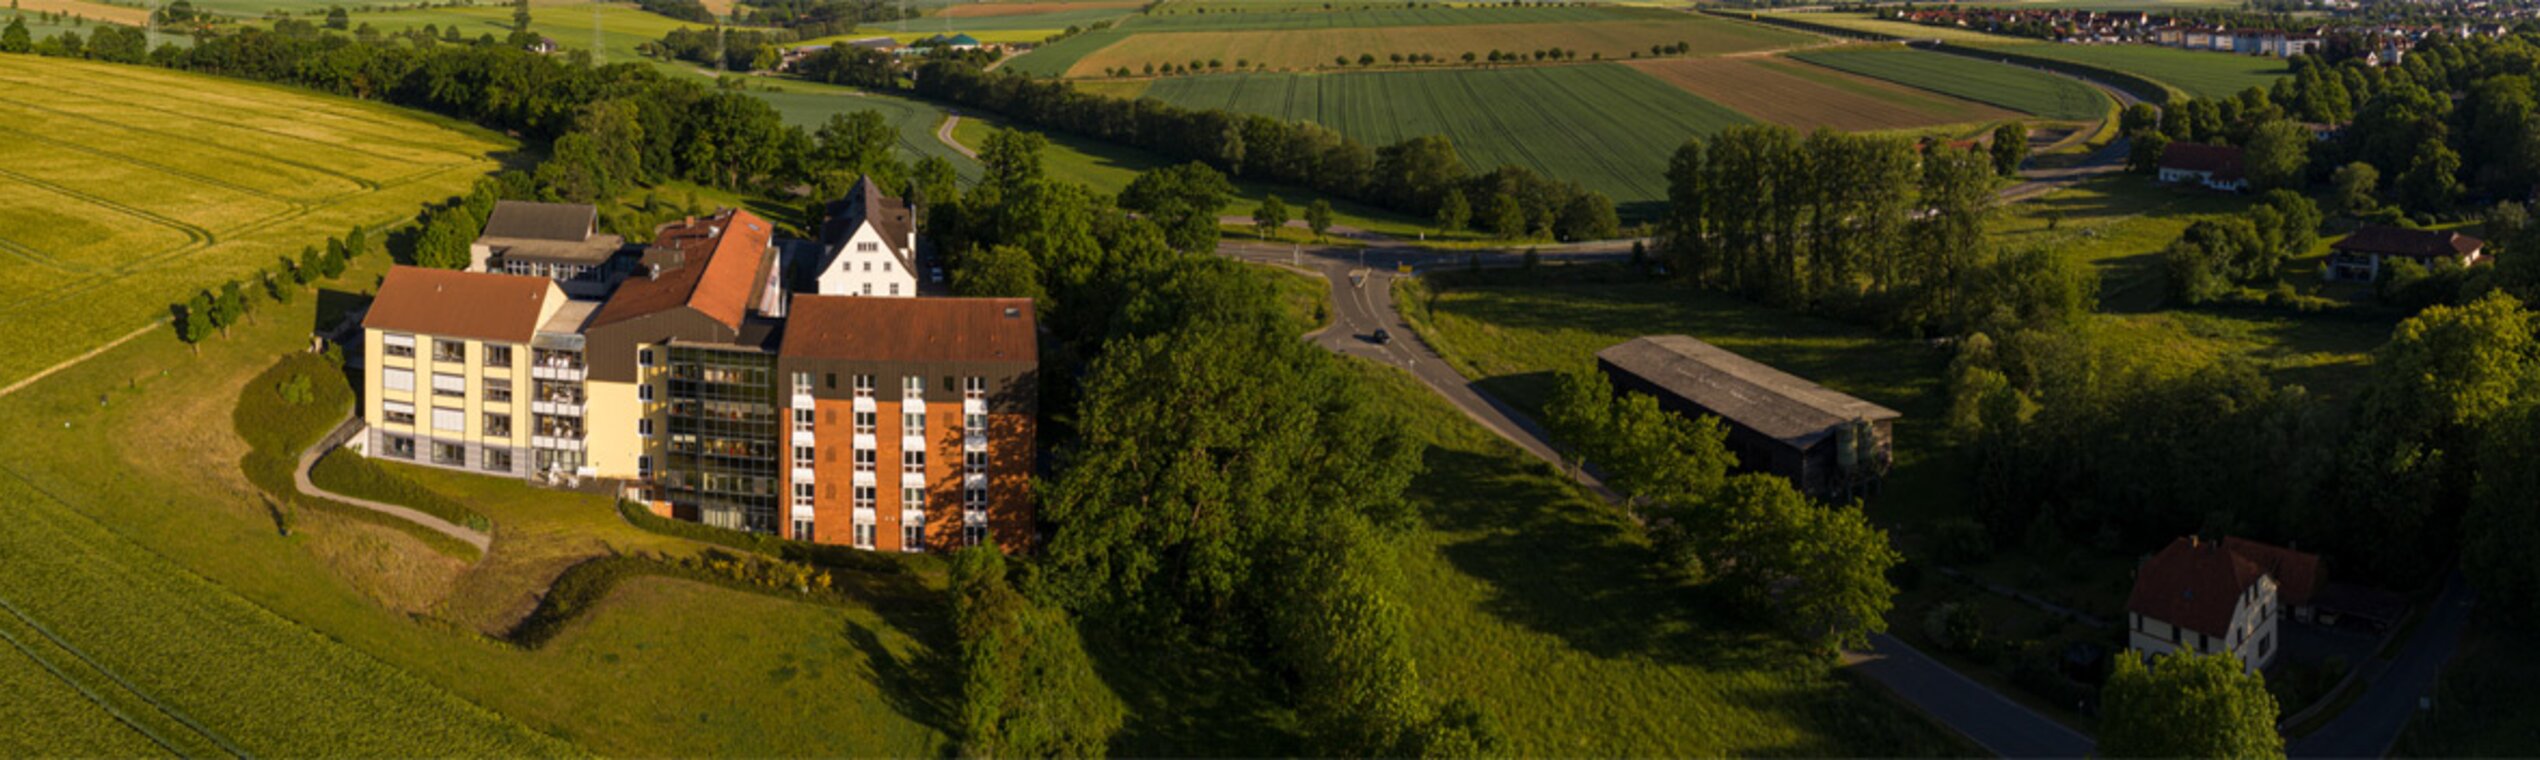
x: 1318, y: 217
x: 2187, y: 705
x: 1268, y: 217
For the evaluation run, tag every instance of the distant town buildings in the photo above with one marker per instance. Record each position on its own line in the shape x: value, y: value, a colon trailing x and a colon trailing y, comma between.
x: 702, y: 379
x: 1827, y: 443
x: 2380, y: 44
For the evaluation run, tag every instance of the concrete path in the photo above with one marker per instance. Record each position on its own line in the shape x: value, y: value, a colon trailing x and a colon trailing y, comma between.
x: 1995, y: 722
x: 2371, y: 726
x: 944, y: 133
x: 300, y: 478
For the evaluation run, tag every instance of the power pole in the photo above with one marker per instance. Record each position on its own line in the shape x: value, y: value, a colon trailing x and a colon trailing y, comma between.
x: 599, y: 52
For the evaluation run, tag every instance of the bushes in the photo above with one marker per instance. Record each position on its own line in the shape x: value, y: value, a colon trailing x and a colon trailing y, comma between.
x: 822, y: 555
x: 357, y: 476
x: 288, y: 409
x: 583, y: 586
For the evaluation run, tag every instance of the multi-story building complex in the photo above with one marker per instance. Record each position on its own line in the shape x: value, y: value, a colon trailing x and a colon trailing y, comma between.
x: 455, y: 372
x: 870, y: 246
x: 910, y: 420
x: 558, y: 241
x: 707, y: 389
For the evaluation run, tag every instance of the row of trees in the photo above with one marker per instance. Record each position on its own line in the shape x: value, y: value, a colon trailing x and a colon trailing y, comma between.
x: 2214, y: 255
x: 235, y: 301
x: 1219, y: 485
x: 1820, y: 570
x: 1861, y: 226
x: 1413, y: 177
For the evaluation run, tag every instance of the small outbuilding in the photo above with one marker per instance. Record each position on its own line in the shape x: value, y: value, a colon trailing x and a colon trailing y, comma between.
x: 2216, y: 167
x: 1827, y: 443
x: 2362, y: 256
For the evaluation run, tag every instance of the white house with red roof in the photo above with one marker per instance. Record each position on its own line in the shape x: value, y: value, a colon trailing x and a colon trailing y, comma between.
x: 2218, y: 596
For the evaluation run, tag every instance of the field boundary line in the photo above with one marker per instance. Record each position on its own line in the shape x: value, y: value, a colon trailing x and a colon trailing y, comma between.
x: 178, y: 715
x: 160, y: 168
x: 199, y: 235
x: 76, y: 685
x: 74, y: 361
x: 365, y: 135
x: 365, y: 184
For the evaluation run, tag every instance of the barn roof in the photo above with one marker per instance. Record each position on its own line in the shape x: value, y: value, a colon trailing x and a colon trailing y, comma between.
x: 1741, y: 390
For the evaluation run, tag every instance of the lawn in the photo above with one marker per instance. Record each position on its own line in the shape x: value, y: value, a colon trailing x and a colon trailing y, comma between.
x: 810, y: 104
x: 350, y: 637
x: 1307, y: 49
x: 2017, y: 88
x: 1807, y: 97
x: 2203, y: 74
x: 1542, y: 605
x: 1605, y: 126
x: 127, y: 189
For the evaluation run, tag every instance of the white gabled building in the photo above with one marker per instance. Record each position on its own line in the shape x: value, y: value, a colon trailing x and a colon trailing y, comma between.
x: 2218, y: 596
x: 869, y: 246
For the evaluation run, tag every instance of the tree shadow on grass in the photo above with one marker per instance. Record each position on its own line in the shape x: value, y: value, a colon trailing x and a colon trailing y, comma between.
x: 922, y: 687
x: 1563, y: 564
x: 1187, y: 702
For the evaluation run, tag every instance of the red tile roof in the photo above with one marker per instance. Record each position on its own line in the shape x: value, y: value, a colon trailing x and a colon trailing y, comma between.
x: 717, y: 276
x: 2399, y: 241
x: 2198, y: 157
x: 479, y: 305
x: 911, y: 329
x: 2197, y: 584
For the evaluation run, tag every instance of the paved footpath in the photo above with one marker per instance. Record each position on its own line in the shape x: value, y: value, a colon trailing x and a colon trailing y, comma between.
x: 300, y: 478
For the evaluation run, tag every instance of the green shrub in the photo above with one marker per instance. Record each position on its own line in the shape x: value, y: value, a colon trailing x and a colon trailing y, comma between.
x: 822, y: 555
x: 277, y: 429
x: 583, y: 585
x: 357, y: 476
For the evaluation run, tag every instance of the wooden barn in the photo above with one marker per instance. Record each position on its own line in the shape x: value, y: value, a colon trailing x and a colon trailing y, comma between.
x: 1829, y: 444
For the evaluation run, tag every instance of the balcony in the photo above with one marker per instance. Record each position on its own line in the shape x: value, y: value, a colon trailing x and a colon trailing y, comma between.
x: 974, y: 405
x: 558, y: 409
x: 913, y: 480
x: 974, y: 441
x: 913, y: 443
x: 544, y: 371
x: 865, y: 403
x: 554, y: 443
x: 803, y: 437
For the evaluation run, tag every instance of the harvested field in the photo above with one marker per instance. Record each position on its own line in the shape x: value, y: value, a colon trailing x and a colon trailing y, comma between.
x: 124, y: 189
x: 2018, y: 88
x: 980, y: 10
x: 1605, y: 126
x: 93, y: 11
x: 1309, y: 49
x: 1807, y: 97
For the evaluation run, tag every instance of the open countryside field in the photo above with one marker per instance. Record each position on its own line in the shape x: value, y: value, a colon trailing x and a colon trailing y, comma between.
x: 88, y: 9
x: 1433, y: 15
x: 809, y: 105
x: 1899, y: 29
x: 127, y: 189
x: 621, y: 26
x: 1051, y: 17
x: 1783, y: 91
x: 981, y: 10
x: 1604, y: 125
x: 2050, y: 96
x: 1306, y: 49
x: 2203, y: 74
x: 1056, y: 58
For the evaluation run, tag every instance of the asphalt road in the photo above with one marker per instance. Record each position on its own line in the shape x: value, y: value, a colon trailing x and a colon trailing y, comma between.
x: 1995, y: 722
x: 2370, y: 726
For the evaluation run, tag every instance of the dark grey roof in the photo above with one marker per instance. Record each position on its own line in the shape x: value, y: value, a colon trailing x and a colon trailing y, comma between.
x: 890, y: 216
x: 1767, y: 400
x: 524, y: 220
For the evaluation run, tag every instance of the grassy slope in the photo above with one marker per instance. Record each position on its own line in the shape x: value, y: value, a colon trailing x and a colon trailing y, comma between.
x: 2203, y: 74
x: 1541, y: 604
x: 141, y: 212
x: 809, y: 104
x: 1052, y: 21
x: 1606, y: 126
x: 621, y: 27
x: 2021, y: 89
x: 1056, y: 58
x: 749, y: 676
x: 1317, y: 18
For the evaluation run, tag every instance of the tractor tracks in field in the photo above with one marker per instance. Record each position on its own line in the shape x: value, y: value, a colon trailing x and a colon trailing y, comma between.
x: 161, y: 723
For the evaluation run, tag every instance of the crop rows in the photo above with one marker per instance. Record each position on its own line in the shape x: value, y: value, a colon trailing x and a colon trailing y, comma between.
x: 2204, y: 74
x: 209, y: 660
x: 1606, y: 126
x: 1808, y: 97
x: 1304, y: 49
x: 2017, y: 88
x: 1220, y: 21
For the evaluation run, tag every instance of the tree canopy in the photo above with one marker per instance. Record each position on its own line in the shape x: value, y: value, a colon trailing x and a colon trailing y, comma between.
x: 2187, y: 705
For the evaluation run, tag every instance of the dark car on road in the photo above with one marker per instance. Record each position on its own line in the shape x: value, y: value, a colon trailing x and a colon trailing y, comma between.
x: 1381, y: 337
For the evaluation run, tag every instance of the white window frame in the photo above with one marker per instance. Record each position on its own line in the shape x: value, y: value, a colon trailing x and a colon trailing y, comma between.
x: 446, y: 384
x: 644, y: 392
x: 397, y: 379
x: 396, y: 413
x: 449, y: 419
x: 644, y: 427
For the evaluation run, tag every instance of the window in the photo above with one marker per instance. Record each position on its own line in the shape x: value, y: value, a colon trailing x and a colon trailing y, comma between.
x: 974, y: 387
x: 865, y: 496
x: 864, y: 423
x: 868, y: 288
x: 449, y: 385
x: 912, y: 498
x: 913, y: 461
x: 974, y: 461
x: 863, y: 535
x: 886, y: 266
x: 644, y: 357
x: 975, y: 422
x: 398, y: 379
x: 974, y: 497
x: 401, y: 447
x: 644, y: 392
x: 912, y: 537
x: 644, y: 428
x: 498, y: 460
x: 802, y: 420
x: 895, y: 287
x: 802, y: 530
x: 803, y: 492
x: 498, y: 390
x: 973, y: 535
x: 868, y: 248
x: 498, y: 356
x: 644, y: 466
x: 802, y: 382
x: 449, y: 351
x: 445, y: 418
x: 802, y: 456
x: 448, y: 453
x: 397, y: 413
x: 498, y: 425
x: 397, y: 345
x: 913, y: 385
x: 912, y: 423
x: 864, y: 386
x: 2265, y: 644
x: 864, y: 460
